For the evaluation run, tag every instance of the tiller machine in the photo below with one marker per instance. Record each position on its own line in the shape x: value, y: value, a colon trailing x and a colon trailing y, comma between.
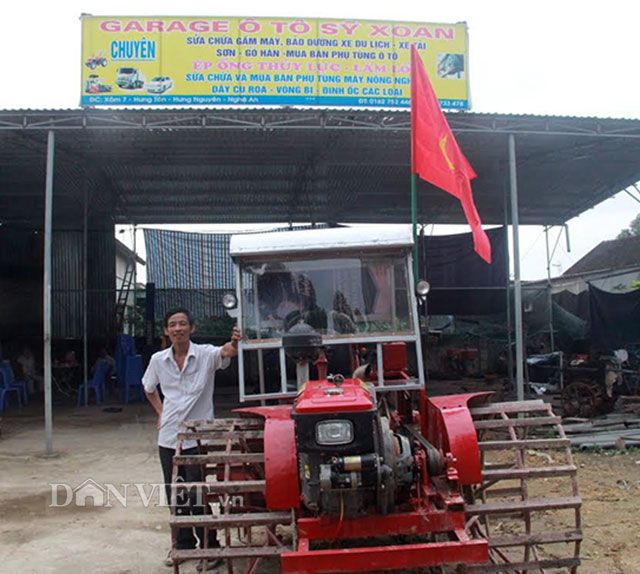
x: 345, y: 464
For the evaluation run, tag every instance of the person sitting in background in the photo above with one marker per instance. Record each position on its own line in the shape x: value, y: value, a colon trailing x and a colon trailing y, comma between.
x: 104, y: 357
x: 69, y: 359
x: 27, y: 363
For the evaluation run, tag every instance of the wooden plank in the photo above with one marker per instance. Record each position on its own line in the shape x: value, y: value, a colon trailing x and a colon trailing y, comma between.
x: 236, y: 486
x: 623, y: 421
x: 525, y: 444
x: 220, y: 458
x: 537, y: 472
x: 228, y: 552
x: 519, y: 567
x: 221, y: 446
x: 528, y: 422
x: 511, y: 407
x: 530, y: 505
x: 226, y: 423
x: 220, y: 435
x: 613, y: 418
x: 631, y: 435
x: 241, y: 520
x: 591, y: 429
x: 208, y: 426
x: 608, y: 443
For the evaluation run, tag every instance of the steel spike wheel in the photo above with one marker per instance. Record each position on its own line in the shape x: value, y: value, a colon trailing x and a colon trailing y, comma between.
x: 528, y: 505
x: 232, y: 463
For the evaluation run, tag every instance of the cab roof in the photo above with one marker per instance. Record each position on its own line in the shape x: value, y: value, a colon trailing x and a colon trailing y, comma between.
x: 332, y: 239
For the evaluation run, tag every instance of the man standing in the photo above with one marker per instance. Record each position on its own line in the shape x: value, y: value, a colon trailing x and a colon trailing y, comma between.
x: 186, y: 373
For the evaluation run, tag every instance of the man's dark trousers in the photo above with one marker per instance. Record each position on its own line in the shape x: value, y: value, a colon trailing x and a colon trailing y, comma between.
x: 190, y: 505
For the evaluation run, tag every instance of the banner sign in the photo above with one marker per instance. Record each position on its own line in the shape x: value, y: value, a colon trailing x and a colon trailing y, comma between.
x: 267, y: 61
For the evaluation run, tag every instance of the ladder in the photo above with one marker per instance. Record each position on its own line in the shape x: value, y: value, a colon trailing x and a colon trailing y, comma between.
x: 123, y: 295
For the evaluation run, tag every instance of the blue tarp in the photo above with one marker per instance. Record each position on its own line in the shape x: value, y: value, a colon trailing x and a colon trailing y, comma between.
x: 181, y: 260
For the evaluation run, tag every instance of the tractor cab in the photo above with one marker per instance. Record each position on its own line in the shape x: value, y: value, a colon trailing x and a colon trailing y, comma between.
x: 348, y: 289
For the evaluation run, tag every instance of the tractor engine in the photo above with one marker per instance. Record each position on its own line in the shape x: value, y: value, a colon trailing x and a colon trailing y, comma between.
x: 350, y: 460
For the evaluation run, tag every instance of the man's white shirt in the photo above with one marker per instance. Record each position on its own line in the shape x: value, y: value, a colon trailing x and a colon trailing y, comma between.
x: 188, y: 394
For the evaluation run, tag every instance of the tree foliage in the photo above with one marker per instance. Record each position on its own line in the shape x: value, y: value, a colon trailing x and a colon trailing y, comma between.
x: 633, y: 230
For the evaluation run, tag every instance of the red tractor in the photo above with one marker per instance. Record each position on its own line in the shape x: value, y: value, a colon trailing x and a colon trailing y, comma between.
x: 345, y: 464
x: 95, y: 60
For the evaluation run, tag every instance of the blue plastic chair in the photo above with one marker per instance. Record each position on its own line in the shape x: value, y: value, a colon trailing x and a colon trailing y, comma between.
x: 133, y: 378
x: 5, y: 390
x: 12, y: 383
x: 96, y: 384
x: 125, y: 347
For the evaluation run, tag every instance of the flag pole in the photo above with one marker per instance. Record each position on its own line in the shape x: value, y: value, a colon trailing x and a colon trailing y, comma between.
x: 414, y: 175
x: 414, y: 226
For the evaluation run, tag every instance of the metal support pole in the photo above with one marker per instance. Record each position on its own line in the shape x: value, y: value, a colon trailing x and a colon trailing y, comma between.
x: 423, y: 343
x: 283, y: 370
x: 135, y: 279
x: 517, y: 286
x: 48, y: 224
x: 85, y: 286
x: 416, y: 331
x: 549, y: 294
x: 508, y: 287
x: 256, y: 314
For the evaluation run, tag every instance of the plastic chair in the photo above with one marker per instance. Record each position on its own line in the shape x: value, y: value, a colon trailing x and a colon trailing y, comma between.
x: 133, y: 378
x: 12, y: 383
x: 125, y: 347
x: 5, y: 389
x: 96, y: 384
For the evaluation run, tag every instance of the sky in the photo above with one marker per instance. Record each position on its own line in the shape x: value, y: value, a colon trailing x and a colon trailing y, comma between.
x: 564, y: 57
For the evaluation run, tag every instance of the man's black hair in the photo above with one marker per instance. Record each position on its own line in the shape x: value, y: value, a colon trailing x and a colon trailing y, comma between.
x: 171, y: 312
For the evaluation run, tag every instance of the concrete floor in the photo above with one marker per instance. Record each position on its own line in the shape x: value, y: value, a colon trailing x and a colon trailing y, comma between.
x: 90, y: 444
x: 121, y: 448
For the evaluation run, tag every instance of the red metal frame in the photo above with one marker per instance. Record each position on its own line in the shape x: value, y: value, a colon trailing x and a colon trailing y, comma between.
x: 392, y: 557
x: 280, y: 456
x: 414, y: 522
x: 450, y: 428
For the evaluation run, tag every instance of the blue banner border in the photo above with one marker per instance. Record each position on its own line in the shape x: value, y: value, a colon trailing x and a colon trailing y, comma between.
x: 176, y: 100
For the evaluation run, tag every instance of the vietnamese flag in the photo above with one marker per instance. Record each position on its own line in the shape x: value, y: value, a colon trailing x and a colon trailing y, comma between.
x: 435, y: 155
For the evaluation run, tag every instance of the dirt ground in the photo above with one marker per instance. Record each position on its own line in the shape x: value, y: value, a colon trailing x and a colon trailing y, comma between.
x: 119, y: 447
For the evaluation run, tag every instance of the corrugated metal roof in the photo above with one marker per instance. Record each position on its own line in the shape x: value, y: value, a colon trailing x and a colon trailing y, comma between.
x: 265, y: 109
x: 278, y: 165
